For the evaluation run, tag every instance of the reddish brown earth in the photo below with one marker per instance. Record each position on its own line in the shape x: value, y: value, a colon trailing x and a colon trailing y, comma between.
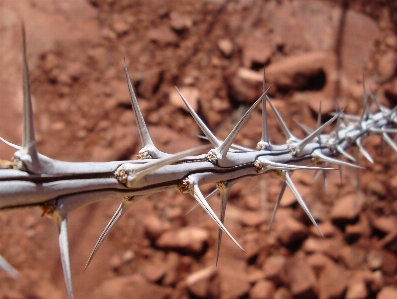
x: 214, y: 51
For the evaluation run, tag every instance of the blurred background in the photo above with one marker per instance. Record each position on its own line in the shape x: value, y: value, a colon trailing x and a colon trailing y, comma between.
x: 215, y: 53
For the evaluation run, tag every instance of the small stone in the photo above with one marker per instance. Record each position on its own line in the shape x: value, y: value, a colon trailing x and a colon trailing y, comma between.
x: 353, y: 257
x: 289, y: 230
x: 385, y: 224
x: 374, y: 259
x: 120, y: 27
x: 300, y: 276
x: 154, y: 270
x: 250, y: 218
x: 135, y: 286
x: 262, y: 290
x: 332, y: 282
x: 273, y: 268
x: 256, y: 51
x: 225, y: 45
x: 163, y: 36
x: 246, y: 85
x: 387, y: 65
x: 189, y: 239
x: 282, y: 293
x: 180, y: 22
x: 387, y: 292
x: 197, y: 282
x: 233, y: 278
x: 191, y: 94
x: 356, y: 289
x: 347, y: 208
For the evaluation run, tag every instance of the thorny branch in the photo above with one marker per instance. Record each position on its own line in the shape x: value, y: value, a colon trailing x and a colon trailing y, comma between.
x: 58, y: 187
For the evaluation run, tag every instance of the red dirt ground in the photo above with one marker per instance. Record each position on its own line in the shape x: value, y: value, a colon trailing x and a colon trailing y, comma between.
x: 214, y: 51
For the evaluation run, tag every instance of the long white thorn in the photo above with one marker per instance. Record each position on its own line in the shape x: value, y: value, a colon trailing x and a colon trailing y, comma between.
x: 201, y: 200
x: 207, y: 132
x: 207, y: 198
x: 149, y: 167
x: 277, y: 205
x: 147, y: 143
x: 64, y: 251
x: 10, y: 270
x: 363, y: 151
x: 300, y: 200
x: 124, y: 206
x: 28, y: 139
x: 224, y: 147
x: 344, y: 153
x: 283, y: 125
x: 17, y: 147
x: 389, y: 141
x: 325, y: 158
x: 265, y: 142
x: 224, y: 192
x: 301, y: 145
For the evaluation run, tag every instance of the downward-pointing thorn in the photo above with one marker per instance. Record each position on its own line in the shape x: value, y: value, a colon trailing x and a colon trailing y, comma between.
x: 300, y: 200
x: 64, y: 250
x: 280, y: 196
x: 124, y: 206
x: 363, y: 151
x: 201, y: 200
x: 389, y: 141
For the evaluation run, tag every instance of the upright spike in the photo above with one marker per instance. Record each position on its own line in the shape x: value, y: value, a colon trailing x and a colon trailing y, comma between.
x: 201, y: 200
x: 64, y: 250
x: 287, y: 133
x: 28, y: 140
x: 207, y: 132
x: 124, y: 206
x: 300, y: 200
x: 147, y: 143
x: 365, y: 112
x: 265, y: 142
x: 224, y: 147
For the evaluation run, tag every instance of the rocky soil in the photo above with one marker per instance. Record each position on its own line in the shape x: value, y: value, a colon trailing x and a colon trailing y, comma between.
x: 214, y: 51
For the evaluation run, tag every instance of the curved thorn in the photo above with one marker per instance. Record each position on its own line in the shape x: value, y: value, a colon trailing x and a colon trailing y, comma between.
x: 302, y: 203
x: 224, y: 147
x: 207, y: 132
x: 17, y: 147
x: 201, y: 200
x: 64, y: 251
